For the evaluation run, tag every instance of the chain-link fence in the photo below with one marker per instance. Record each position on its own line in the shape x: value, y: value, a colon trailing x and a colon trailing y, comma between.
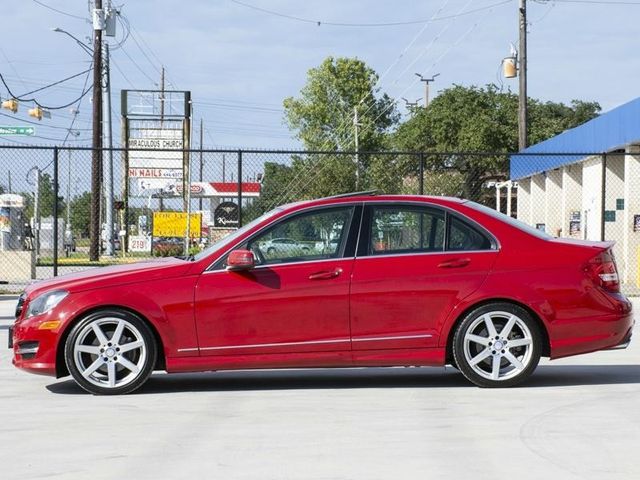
x: 46, y: 198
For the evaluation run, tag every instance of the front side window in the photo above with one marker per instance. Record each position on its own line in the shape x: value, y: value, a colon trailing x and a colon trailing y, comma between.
x: 406, y: 230
x: 315, y: 235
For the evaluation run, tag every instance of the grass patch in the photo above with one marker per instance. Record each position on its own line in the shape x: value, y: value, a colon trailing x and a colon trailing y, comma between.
x: 80, y: 260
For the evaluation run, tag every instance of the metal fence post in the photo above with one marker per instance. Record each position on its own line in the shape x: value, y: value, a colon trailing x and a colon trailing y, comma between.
x: 603, y: 204
x: 239, y: 188
x: 421, y: 181
x: 55, y: 211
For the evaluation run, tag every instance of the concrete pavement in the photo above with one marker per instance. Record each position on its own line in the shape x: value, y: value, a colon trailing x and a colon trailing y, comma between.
x: 576, y: 418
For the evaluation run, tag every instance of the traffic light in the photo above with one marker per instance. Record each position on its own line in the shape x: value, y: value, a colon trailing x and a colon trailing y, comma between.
x: 38, y: 113
x: 11, y: 104
x: 35, y: 112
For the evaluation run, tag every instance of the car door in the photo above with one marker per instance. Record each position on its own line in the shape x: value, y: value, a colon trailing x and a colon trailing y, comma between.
x: 415, y: 263
x: 295, y: 300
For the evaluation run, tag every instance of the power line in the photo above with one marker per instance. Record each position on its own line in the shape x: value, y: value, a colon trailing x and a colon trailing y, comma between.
x: 593, y: 2
x: 229, y: 106
x: 40, y: 124
x: 51, y: 85
x: 41, y: 105
x: 138, y: 66
x: 382, y: 24
x: 60, y: 11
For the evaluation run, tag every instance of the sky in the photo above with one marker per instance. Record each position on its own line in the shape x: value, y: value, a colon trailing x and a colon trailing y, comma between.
x: 240, y: 62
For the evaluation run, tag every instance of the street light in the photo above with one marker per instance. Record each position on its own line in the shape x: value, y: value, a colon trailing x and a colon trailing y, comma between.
x: 96, y: 157
x: 426, y: 81
x: 75, y: 39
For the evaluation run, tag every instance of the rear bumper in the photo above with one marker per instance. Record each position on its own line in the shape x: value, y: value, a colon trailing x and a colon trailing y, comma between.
x: 625, y: 341
x: 597, y: 333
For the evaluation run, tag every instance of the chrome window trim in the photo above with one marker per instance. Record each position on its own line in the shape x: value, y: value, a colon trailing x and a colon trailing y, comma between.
x: 269, y: 225
x: 445, y: 252
x: 259, y: 267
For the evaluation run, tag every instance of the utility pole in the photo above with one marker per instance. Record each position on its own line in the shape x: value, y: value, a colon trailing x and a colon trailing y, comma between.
x: 96, y: 160
x: 109, y: 183
x: 426, y: 81
x: 162, y: 96
x: 356, y: 124
x: 201, y: 160
x: 522, y: 90
x: 161, y: 200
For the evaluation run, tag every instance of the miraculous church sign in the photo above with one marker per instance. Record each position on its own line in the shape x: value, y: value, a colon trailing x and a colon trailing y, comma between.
x: 156, y: 154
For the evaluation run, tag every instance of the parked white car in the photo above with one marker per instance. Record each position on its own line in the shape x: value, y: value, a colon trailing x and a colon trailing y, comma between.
x: 284, y: 246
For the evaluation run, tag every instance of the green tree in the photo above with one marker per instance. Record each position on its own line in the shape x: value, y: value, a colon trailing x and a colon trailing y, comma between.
x: 274, y: 191
x: 46, y: 198
x: 472, y: 119
x: 81, y: 214
x: 323, y: 119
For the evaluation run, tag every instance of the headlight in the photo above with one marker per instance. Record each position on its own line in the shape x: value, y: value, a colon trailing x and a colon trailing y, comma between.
x: 45, y: 302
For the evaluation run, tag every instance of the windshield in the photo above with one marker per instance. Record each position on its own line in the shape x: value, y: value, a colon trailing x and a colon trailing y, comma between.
x: 510, y: 220
x: 223, y: 242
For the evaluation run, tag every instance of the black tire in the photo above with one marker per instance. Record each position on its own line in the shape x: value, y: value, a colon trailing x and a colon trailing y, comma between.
x: 517, y: 353
x: 109, y: 368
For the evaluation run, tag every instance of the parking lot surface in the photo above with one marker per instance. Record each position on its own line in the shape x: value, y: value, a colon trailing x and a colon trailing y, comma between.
x: 576, y: 418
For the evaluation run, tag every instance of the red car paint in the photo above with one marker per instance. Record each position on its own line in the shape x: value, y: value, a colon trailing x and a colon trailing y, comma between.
x: 357, y: 311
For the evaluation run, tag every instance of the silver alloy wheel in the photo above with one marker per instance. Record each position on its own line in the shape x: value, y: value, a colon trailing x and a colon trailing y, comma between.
x: 498, y: 345
x: 110, y: 352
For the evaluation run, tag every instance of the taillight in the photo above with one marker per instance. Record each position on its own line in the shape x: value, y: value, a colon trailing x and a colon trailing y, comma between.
x: 603, y: 270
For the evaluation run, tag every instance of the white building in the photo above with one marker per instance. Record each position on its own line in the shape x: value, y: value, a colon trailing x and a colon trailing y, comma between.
x: 585, y: 183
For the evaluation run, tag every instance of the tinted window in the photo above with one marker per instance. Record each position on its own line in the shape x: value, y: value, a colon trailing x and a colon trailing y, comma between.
x: 311, y: 236
x: 405, y: 230
x: 463, y: 236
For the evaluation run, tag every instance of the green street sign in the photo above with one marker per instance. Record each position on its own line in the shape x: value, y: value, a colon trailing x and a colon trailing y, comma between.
x: 17, y: 130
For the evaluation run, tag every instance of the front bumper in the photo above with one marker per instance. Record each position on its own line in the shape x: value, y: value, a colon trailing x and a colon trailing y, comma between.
x: 34, y: 350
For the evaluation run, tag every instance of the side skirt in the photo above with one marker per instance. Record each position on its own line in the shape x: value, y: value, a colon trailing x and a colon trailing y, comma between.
x: 363, y: 358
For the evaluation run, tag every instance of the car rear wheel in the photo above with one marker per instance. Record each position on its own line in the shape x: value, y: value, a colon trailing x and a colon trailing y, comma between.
x: 497, y: 345
x: 110, y: 352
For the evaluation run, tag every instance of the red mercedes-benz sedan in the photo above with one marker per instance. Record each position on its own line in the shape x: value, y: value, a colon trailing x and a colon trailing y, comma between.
x: 357, y: 280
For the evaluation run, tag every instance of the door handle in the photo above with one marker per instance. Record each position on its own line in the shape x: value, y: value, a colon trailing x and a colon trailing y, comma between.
x: 455, y: 263
x: 325, y: 274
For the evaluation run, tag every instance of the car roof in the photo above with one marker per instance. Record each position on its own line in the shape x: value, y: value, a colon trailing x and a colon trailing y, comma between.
x: 368, y: 197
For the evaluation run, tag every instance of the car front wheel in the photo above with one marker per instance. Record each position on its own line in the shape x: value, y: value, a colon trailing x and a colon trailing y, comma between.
x: 110, y: 352
x: 497, y: 345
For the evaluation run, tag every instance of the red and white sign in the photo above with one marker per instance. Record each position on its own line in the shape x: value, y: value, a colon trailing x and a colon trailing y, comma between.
x: 222, y: 189
x: 139, y: 243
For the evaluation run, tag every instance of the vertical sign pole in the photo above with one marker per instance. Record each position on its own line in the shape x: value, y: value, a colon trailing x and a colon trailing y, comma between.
x: 239, y: 188
x: 55, y: 211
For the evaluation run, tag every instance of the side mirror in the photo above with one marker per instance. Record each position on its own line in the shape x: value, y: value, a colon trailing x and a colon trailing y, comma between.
x: 240, y: 260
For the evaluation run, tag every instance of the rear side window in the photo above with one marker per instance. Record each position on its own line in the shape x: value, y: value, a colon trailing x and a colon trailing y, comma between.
x: 463, y: 236
x: 406, y: 230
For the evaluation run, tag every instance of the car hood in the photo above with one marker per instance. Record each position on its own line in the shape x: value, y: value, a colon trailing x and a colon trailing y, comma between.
x: 100, y: 277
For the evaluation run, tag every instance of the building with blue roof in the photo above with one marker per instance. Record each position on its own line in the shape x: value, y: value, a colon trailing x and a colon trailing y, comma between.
x: 585, y: 183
